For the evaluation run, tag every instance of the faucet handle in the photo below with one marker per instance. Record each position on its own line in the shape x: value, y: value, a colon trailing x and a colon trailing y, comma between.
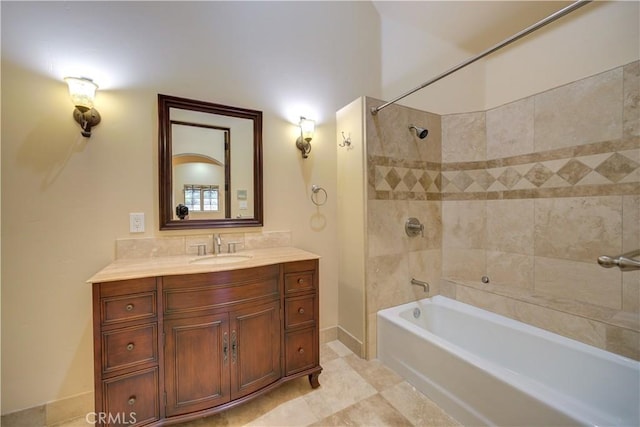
x: 202, y: 248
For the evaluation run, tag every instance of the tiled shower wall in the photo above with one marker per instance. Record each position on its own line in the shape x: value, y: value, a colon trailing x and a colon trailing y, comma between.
x: 533, y: 192
x: 528, y: 194
x: 402, y: 181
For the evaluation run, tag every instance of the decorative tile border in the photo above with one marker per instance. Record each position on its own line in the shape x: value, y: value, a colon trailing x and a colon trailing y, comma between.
x: 603, y: 168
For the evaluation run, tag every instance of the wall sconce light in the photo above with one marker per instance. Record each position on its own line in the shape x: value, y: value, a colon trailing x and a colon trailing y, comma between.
x: 83, y: 92
x: 307, y: 127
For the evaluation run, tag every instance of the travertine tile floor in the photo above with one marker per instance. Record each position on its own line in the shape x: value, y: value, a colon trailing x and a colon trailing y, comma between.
x: 352, y: 392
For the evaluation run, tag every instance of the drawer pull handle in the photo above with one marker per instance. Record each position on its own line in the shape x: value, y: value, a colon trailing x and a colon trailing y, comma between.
x: 132, y: 400
x: 301, y: 350
x: 130, y: 346
x: 301, y: 310
x: 300, y: 281
x: 129, y: 307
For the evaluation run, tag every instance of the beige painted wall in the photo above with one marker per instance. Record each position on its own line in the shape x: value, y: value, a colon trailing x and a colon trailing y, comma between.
x: 597, y: 37
x: 411, y: 56
x: 67, y: 199
x: 352, y: 224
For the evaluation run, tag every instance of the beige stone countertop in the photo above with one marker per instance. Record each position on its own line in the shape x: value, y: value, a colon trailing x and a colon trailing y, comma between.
x: 124, y: 269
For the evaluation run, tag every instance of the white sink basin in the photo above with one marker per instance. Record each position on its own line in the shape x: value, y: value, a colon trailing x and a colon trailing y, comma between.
x: 221, y: 259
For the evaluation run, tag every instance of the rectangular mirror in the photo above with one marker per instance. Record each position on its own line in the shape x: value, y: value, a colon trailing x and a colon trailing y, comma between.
x: 210, y: 165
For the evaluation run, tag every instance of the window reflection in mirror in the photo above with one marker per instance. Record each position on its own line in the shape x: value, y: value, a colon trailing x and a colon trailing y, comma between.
x: 210, y: 165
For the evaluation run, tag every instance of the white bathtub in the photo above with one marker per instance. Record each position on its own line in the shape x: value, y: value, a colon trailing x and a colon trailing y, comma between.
x: 486, y: 369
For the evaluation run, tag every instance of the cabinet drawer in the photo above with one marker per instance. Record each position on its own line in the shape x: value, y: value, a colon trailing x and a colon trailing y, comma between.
x: 301, y: 266
x: 129, y: 347
x: 297, y: 282
x: 301, y: 350
x: 131, y: 399
x: 128, y: 307
x: 188, y: 299
x: 300, y: 311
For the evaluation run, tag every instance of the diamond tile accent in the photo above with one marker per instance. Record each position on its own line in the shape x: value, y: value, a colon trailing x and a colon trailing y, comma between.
x: 462, y: 181
x: 392, y: 178
x: 538, y: 174
x: 484, y: 178
x: 425, y: 180
x: 409, y: 179
x: 441, y: 181
x: 509, y: 177
x: 574, y: 171
x: 616, y: 167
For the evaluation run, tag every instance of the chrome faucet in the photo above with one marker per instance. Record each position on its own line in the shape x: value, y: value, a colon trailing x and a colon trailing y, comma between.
x: 217, y: 243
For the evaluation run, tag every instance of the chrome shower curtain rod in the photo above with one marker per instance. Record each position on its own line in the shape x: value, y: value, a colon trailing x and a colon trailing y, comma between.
x: 526, y: 31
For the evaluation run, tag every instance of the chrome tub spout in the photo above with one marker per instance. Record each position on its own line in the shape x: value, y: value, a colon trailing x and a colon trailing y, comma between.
x: 424, y: 285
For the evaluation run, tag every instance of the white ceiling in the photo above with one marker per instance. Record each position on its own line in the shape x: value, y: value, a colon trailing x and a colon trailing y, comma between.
x: 39, y: 34
x: 471, y: 25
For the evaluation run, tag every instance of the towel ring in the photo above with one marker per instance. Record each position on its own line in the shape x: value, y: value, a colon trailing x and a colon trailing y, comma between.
x: 315, y: 189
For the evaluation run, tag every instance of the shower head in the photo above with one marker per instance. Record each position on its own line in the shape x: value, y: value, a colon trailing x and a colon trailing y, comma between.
x: 420, y: 132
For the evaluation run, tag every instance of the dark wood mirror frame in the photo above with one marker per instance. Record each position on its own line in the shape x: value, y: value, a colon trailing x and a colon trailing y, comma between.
x: 165, y: 184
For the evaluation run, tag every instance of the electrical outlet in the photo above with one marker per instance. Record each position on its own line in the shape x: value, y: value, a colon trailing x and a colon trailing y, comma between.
x: 136, y: 222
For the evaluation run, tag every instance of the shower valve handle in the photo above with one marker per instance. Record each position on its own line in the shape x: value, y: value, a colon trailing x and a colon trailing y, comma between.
x: 413, y: 227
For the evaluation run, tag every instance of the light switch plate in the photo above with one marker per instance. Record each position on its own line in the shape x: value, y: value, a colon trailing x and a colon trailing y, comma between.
x: 136, y: 222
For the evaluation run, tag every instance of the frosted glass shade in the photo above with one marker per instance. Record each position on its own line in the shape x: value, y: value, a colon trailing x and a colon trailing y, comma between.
x: 82, y: 92
x: 308, y: 128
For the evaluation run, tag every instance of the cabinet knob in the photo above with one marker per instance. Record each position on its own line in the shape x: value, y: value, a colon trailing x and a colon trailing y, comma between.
x: 300, y: 281
x: 132, y: 400
x: 301, y: 310
x: 130, y: 346
x: 129, y: 307
x: 301, y: 350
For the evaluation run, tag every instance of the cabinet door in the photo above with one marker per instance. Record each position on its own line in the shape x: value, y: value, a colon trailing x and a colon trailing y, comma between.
x: 196, y: 363
x: 255, y: 348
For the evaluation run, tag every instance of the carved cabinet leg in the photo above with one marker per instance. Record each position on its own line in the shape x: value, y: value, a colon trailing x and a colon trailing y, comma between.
x: 313, y: 379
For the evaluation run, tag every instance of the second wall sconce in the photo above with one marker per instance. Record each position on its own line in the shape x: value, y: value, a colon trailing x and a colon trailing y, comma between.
x: 307, y: 128
x: 83, y: 91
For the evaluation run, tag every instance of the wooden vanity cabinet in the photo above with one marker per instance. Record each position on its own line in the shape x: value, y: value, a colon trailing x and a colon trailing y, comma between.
x: 174, y: 348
